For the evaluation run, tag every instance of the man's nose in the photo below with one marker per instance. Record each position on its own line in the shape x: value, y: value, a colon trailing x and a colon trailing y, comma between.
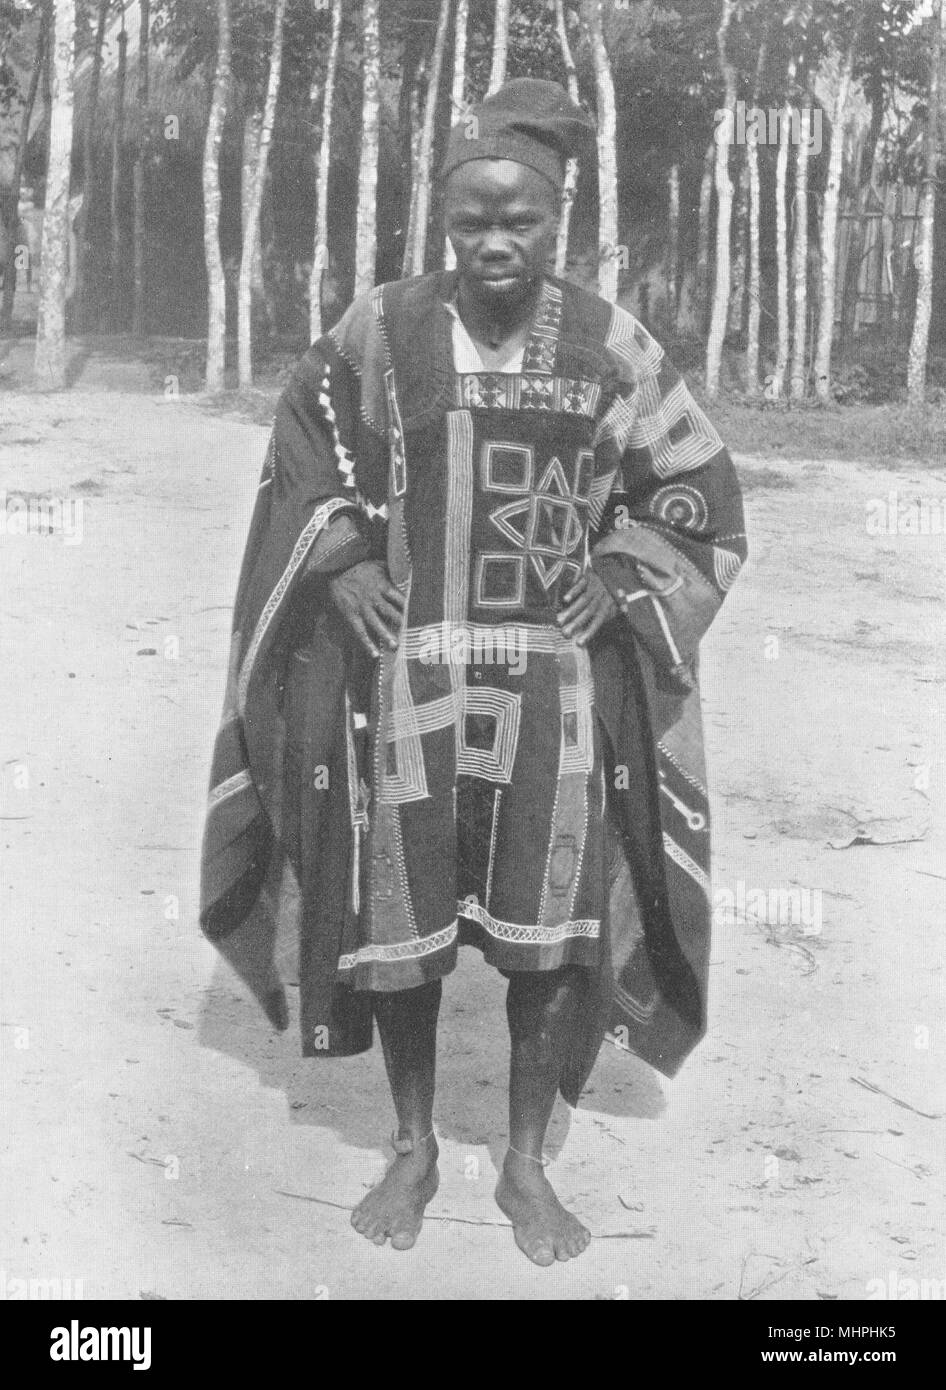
x: 496, y: 245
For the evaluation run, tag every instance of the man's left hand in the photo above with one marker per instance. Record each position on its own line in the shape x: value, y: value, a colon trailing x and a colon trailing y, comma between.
x: 588, y: 606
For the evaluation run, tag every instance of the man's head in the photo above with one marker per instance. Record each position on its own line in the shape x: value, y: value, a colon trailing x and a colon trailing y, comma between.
x: 503, y: 172
x: 501, y: 218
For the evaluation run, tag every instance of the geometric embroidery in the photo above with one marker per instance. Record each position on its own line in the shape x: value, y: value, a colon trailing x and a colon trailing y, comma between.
x: 545, y: 524
x: 500, y: 581
x: 487, y: 733
x: 539, y: 352
x: 680, y: 506
x: 726, y: 567
x: 507, y: 467
x: 508, y: 391
x: 584, y: 474
x: 577, y: 747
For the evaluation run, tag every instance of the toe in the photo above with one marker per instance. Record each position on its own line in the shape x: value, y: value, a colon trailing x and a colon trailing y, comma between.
x: 540, y: 1252
x: 403, y: 1240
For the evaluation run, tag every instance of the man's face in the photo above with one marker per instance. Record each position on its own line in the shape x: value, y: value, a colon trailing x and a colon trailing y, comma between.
x: 502, y: 219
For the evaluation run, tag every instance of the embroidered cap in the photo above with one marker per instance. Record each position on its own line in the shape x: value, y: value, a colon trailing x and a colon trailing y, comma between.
x: 528, y: 120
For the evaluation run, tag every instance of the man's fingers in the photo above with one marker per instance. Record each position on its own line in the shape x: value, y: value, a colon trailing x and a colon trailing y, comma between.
x: 597, y: 620
x: 361, y: 632
x: 393, y: 595
x: 375, y: 622
x: 569, y: 615
x: 394, y: 616
x: 579, y: 586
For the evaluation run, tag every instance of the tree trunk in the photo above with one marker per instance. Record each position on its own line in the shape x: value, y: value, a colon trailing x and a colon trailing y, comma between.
x: 701, y: 287
x: 50, y: 360
x: 829, y: 226
x: 497, y: 72
x: 118, y: 131
x: 366, y: 233
x: 252, y: 128
x: 457, y: 92
x: 88, y: 160
x: 755, y: 268
x: 607, y: 155
x: 571, y: 168
x: 138, y: 237
x: 797, y: 379
x: 250, y: 246
x: 923, y: 253
x: 216, y: 281
x: 737, y: 294
x: 721, y: 284
x: 673, y: 246
x: 422, y: 176
x: 416, y: 122
x: 776, y: 387
x: 320, y: 248
x: 9, y: 269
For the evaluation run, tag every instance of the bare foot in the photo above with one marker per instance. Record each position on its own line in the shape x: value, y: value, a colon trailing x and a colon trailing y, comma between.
x: 395, y: 1207
x: 543, y: 1229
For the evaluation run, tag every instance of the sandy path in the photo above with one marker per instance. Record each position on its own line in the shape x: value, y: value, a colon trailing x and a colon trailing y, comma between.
x: 152, y: 1117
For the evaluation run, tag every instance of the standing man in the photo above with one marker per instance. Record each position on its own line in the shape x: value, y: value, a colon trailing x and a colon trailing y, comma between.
x: 492, y: 528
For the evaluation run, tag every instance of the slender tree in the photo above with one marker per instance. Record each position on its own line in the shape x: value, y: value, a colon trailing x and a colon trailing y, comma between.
x: 777, y: 385
x: 701, y: 284
x: 673, y: 246
x: 138, y: 234
x: 497, y: 72
x: 740, y: 258
x: 923, y: 250
x: 118, y: 135
x: 252, y: 128
x: 721, y: 284
x: 16, y: 183
x: 755, y: 267
x: 461, y: 21
x: 50, y: 359
x: 216, y: 281
x: 829, y: 220
x: 797, y: 376
x: 366, y: 234
x: 422, y: 177
x: 320, y: 247
x: 571, y: 168
x: 608, y: 251
x: 88, y: 162
x: 416, y: 123
x: 254, y: 201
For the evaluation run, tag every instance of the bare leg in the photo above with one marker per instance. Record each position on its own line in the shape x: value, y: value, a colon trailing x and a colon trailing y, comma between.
x: 407, y: 1022
x: 541, y: 1009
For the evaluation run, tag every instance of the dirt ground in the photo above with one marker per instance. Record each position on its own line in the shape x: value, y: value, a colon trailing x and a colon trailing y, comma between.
x: 161, y: 1142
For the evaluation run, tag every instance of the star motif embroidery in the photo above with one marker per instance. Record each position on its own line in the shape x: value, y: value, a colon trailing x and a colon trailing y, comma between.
x: 545, y: 524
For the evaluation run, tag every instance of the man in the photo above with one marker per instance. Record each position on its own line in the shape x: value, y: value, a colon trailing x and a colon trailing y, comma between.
x: 487, y: 461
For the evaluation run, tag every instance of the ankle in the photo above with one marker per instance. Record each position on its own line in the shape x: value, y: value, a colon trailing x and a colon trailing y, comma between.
x: 420, y: 1147
x: 524, y: 1160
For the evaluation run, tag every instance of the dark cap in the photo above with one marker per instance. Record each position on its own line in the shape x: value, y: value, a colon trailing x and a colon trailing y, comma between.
x: 531, y: 121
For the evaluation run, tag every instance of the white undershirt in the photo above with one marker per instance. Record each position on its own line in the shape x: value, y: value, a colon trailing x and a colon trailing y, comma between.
x: 466, y: 356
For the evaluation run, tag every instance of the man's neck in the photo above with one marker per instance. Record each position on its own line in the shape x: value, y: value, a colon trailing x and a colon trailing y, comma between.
x: 497, y: 327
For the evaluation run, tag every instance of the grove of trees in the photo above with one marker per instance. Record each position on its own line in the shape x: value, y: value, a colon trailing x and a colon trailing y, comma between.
x: 765, y: 195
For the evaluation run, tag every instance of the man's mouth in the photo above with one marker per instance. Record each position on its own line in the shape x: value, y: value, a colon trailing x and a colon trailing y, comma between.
x: 499, y: 282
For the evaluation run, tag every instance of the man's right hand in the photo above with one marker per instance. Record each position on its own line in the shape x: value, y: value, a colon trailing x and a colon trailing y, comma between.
x: 369, y: 603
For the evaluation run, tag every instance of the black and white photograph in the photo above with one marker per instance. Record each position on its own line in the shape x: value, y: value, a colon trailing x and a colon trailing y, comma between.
x: 472, y: 526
